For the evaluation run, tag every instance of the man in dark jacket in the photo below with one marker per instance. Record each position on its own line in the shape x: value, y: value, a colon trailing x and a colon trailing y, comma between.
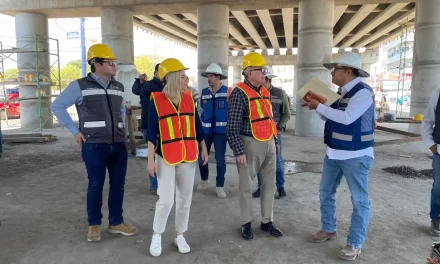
x: 144, y: 89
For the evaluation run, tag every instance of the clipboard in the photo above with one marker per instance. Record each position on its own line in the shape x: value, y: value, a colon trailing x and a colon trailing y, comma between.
x: 316, y: 89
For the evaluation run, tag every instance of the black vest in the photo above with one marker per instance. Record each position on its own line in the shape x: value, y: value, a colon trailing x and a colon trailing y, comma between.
x: 100, y: 117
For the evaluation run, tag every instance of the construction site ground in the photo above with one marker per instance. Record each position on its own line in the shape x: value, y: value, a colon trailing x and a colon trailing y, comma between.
x: 43, y: 218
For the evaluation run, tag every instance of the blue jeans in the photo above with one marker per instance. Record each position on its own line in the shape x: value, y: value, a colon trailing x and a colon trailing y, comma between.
x: 356, y: 173
x: 98, y: 158
x: 280, y: 168
x: 153, y: 180
x: 435, y: 192
x: 219, y: 141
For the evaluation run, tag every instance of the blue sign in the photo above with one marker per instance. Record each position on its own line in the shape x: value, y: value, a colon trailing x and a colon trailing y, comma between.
x: 73, y: 35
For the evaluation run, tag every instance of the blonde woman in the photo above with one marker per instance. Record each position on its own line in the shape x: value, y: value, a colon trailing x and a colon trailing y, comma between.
x: 174, y: 128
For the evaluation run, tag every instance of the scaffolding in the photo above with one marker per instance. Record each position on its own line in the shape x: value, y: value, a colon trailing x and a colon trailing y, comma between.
x: 53, y: 75
x: 402, y: 65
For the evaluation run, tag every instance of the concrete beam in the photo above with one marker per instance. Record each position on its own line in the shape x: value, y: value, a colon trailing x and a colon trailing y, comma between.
x: 163, y: 34
x: 370, y: 56
x: 288, y: 22
x: 382, y: 17
x: 389, y: 37
x: 360, y: 15
x: 179, y: 23
x: 249, y: 27
x: 239, y: 37
x: 91, y: 8
x: 339, y: 11
x: 266, y: 20
x: 386, y: 28
x: 157, y: 23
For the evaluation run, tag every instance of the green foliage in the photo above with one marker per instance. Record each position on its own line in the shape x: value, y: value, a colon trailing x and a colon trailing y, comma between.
x: 11, y: 74
x: 70, y: 72
x: 145, y: 64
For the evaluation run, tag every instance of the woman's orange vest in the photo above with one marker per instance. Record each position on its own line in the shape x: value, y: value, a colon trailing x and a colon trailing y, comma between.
x: 177, y: 128
x: 260, y: 112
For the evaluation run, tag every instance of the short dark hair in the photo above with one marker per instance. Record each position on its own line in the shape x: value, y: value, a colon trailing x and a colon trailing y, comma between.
x: 156, y: 68
x: 355, y: 72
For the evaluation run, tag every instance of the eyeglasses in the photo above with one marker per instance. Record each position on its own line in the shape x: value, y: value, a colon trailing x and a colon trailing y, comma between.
x: 338, y: 68
x: 262, y: 70
x: 109, y: 62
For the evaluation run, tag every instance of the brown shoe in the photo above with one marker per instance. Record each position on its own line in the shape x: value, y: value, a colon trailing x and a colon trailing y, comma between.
x: 322, y: 236
x: 94, y: 233
x: 123, y: 229
x: 349, y: 253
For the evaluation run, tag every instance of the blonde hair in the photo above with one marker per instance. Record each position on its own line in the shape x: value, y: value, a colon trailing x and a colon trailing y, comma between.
x: 172, y: 87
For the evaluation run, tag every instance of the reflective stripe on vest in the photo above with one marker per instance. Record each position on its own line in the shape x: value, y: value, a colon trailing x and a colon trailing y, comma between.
x: 177, y: 128
x: 260, y: 112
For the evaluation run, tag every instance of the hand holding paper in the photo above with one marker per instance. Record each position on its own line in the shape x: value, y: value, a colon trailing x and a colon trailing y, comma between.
x: 315, y: 92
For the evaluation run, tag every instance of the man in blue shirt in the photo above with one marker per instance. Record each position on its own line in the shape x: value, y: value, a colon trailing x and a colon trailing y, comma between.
x: 214, y: 115
x: 144, y: 89
x: 99, y: 100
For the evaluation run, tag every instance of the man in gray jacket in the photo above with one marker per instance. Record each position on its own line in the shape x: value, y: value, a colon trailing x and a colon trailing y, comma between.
x: 281, y: 115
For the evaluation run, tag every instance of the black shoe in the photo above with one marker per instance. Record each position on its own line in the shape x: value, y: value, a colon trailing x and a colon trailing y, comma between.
x: 256, y: 194
x: 281, y: 192
x: 271, y: 228
x: 246, y: 231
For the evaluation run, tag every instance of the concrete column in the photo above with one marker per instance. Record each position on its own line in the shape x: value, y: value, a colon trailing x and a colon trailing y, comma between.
x: 367, y: 67
x: 117, y: 32
x: 426, y: 58
x: 236, y: 72
x: 27, y: 25
x: 212, y: 39
x: 315, y: 42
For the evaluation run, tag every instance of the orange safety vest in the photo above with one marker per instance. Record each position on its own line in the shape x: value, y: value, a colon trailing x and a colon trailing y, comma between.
x: 260, y: 112
x: 177, y: 128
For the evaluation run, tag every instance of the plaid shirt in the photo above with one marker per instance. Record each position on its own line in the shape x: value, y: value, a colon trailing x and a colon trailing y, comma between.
x: 238, y: 119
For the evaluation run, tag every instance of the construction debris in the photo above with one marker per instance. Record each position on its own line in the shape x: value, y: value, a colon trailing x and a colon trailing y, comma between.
x: 28, y: 138
x: 409, y: 172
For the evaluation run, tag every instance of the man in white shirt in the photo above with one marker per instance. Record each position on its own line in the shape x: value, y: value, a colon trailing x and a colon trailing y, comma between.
x: 430, y: 132
x: 349, y: 136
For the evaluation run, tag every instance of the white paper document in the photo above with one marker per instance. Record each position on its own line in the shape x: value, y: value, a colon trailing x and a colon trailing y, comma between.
x: 316, y: 89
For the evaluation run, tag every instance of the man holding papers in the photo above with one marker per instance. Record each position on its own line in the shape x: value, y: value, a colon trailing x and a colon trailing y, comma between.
x: 349, y: 136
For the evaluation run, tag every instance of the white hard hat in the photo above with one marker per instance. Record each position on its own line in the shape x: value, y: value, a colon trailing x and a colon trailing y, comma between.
x: 348, y: 59
x: 214, y: 69
x: 269, y: 73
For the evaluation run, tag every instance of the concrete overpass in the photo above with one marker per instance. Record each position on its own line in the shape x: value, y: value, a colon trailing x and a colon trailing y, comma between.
x: 216, y: 28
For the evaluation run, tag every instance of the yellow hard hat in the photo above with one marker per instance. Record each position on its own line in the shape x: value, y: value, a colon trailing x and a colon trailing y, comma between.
x: 418, y: 117
x: 170, y: 65
x: 253, y: 59
x: 100, y: 51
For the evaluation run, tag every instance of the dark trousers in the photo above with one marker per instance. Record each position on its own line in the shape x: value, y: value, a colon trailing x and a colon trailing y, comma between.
x: 219, y: 141
x: 99, y: 158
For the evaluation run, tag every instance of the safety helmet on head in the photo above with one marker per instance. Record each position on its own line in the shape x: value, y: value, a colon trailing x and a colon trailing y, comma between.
x: 101, y: 51
x: 348, y: 59
x: 253, y: 59
x: 269, y: 73
x: 214, y: 69
x: 418, y: 117
x: 170, y: 65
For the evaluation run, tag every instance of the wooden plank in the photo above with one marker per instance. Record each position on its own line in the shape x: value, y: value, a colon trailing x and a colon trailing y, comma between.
x: 25, y: 135
x: 396, y: 131
x: 397, y: 141
x: 28, y: 139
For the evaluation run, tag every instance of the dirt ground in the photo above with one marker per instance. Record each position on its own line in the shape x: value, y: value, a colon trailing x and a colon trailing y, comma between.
x: 43, y: 211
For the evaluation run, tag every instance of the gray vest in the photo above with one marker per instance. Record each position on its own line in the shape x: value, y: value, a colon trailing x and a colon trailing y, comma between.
x: 100, y: 118
x: 276, y: 98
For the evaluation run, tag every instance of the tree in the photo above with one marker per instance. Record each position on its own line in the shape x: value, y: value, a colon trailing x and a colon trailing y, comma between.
x: 70, y: 72
x: 145, y: 64
x: 11, y: 74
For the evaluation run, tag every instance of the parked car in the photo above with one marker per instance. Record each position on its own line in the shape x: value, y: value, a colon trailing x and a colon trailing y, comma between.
x: 6, y: 103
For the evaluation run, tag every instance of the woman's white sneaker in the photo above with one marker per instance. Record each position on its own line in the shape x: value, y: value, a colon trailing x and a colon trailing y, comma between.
x: 156, y: 245
x: 180, y: 242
